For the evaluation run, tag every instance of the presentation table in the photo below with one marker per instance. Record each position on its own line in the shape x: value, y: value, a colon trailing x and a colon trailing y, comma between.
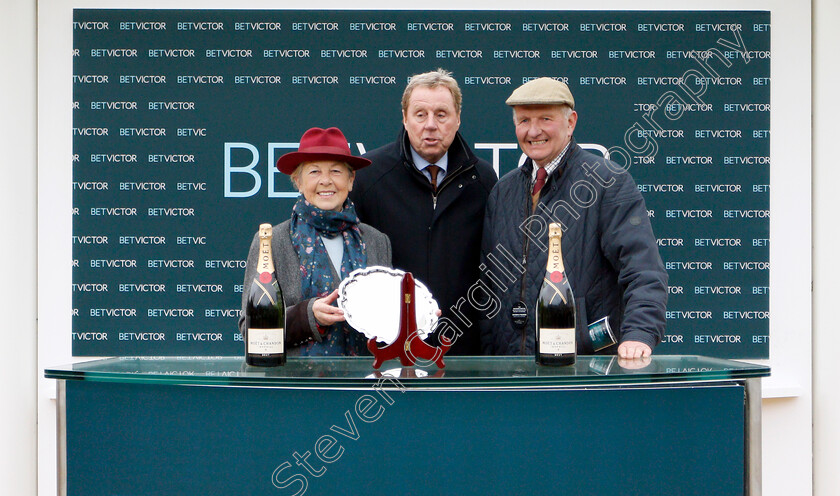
x: 686, y: 425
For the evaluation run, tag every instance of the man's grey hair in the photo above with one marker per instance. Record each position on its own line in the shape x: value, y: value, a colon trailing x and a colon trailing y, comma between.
x: 567, y: 111
x: 433, y: 79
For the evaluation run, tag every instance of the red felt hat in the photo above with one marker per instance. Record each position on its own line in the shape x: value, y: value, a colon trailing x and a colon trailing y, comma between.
x: 320, y: 144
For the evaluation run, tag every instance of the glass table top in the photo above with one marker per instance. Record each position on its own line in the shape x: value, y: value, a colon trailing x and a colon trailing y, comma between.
x: 468, y: 372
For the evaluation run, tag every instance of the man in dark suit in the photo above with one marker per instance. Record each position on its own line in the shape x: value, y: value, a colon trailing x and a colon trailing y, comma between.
x: 427, y: 191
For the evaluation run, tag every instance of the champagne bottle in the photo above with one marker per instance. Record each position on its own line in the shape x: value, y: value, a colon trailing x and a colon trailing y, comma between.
x: 555, y: 339
x: 265, y: 317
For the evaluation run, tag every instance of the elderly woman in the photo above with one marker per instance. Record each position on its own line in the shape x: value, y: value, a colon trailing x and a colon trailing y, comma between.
x: 319, y: 246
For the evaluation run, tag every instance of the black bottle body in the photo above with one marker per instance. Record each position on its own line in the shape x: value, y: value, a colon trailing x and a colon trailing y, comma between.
x: 556, y: 314
x: 265, y: 314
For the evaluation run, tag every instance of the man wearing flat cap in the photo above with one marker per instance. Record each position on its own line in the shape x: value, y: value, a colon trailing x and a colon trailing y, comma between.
x: 610, y: 253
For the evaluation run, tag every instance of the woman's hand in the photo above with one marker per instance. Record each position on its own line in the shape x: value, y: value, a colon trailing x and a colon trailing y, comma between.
x: 325, y: 313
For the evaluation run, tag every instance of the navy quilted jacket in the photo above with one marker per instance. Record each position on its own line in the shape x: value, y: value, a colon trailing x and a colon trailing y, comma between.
x: 610, y: 253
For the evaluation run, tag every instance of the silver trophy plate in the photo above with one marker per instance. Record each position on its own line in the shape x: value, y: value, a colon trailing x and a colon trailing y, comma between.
x: 370, y: 298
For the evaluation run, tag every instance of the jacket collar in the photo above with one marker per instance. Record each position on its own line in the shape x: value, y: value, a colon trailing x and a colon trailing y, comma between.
x: 460, y: 155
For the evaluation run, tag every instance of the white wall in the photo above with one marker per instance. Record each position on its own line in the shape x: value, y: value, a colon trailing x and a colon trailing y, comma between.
x: 18, y: 248
x: 786, y: 419
x: 826, y: 237
x: 787, y: 416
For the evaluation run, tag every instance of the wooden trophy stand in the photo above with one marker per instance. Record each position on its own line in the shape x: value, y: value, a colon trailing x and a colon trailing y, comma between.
x: 408, y: 346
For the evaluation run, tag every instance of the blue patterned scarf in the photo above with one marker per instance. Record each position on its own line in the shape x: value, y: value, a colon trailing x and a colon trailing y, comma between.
x: 308, y: 224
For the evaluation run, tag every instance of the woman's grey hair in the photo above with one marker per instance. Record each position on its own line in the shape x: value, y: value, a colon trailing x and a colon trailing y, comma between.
x: 295, y: 175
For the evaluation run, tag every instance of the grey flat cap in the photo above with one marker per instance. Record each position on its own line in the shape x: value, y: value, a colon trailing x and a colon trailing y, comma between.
x: 542, y: 91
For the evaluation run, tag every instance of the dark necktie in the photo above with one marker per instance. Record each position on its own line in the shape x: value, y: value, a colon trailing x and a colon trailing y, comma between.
x: 433, y: 171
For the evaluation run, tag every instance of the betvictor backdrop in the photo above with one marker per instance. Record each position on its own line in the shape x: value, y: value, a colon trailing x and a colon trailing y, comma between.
x: 180, y: 115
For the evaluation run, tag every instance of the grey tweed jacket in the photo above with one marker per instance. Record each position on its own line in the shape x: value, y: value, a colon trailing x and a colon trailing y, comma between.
x: 300, y: 322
